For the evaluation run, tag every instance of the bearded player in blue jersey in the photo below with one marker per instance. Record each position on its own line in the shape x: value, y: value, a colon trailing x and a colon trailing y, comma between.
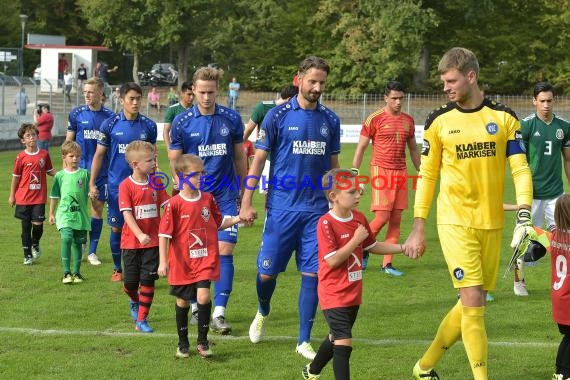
x: 83, y: 127
x: 114, y: 136
x: 215, y: 134
x: 303, y: 138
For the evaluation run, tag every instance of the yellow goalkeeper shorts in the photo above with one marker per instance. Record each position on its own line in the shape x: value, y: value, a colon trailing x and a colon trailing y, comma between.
x: 472, y: 255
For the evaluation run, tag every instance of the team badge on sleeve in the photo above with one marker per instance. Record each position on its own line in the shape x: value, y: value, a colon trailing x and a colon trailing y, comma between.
x: 425, y: 147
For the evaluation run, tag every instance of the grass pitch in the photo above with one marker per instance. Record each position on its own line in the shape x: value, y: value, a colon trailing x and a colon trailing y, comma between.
x: 52, y: 331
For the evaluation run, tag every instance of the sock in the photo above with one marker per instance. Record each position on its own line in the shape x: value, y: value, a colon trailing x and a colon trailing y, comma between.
x: 265, y: 291
x: 95, y: 234
x: 475, y: 340
x: 146, y: 294
x: 448, y: 333
x: 132, y: 290
x: 182, y: 325
x: 341, y: 365
x: 115, y: 240
x: 37, y: 232
x: 204, y: 311
x: 27, y: 238
x: 563, y: 357
x: 324, y: 355
x: 76, y: 253
x: 219, y: 311
x: 308, y: 301
x: 223, y: 287
x: 66, y: 242
x: 393, y: 233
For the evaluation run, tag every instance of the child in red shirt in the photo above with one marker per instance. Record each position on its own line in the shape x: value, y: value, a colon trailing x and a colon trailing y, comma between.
x: 140, y: 204
x: 189, y: 254
x: 28, y: 191
x: 342, y: 233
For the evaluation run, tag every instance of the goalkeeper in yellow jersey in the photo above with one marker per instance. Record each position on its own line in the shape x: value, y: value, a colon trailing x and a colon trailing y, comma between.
x: 467, y: 143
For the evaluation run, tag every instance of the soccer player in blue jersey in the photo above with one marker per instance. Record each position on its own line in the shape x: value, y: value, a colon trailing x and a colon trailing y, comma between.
x: 83, y: 127
x: 114, y: 136
x: 215, y: 134
x: 303, y: 138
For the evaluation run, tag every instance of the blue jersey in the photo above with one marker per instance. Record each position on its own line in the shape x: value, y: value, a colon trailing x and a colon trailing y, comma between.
x: 86, y: 124
x: 212, y: 138
x: 301, y: 143
x: 115, y: 134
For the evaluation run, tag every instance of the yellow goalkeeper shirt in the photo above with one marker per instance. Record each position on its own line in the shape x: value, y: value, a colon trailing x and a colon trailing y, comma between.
x: 469, y: 148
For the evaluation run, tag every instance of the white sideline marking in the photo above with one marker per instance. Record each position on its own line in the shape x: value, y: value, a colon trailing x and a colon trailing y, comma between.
x: 375, y: 342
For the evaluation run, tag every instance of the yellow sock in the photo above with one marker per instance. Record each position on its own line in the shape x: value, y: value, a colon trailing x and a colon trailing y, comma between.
x: 475, y: 340
x: 448, y: 333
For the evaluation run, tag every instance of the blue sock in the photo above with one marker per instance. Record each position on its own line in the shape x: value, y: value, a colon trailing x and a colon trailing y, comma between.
x: 265, y: 291
x: 95, y: 234
x: 115, y: 240
x: 223, y: 287
x: 308, y: 301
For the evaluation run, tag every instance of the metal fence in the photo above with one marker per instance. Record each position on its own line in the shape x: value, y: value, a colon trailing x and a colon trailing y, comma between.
x: 351, y: 110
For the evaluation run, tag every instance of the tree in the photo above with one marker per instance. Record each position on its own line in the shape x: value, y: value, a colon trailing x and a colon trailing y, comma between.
x: 130, y: 25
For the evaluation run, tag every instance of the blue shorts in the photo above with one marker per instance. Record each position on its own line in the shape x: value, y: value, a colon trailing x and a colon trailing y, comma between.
x: 114, y: 216
x: 230, y: 234
x: 284, y: 232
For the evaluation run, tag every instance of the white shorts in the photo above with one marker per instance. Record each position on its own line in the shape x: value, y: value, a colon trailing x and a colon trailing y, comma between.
x: 543, y: 211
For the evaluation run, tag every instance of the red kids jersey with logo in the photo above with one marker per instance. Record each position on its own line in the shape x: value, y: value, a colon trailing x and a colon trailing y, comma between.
x: 341, y: 286
x: 389, y: 135
x: 192, y: 227
x: 144, y: 202
x: 560, y: 258
x: 32, y: 169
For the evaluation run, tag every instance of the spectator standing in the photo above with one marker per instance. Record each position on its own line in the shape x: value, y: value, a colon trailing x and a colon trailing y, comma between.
x: 68, y: 80
x: 233, y: 93
x: 116, y: 100
x: 154, y: 98
x: 44, y: 122
x: 390, y: 131
x: 83, y: 126
x: 21, y: 101
x: 62, y: 67
x: 303, y: 138
x: 546, y: 137
x: 114, y: 135
x: 81, y: 76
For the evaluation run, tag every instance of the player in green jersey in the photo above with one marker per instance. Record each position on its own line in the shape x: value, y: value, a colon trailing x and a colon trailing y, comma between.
x: 546, y: 136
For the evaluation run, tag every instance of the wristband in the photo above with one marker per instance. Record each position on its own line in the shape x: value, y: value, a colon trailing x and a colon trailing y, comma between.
x: 355, y: 171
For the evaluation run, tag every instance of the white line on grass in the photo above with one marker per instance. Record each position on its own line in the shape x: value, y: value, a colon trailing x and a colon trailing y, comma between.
x: 375, y: 342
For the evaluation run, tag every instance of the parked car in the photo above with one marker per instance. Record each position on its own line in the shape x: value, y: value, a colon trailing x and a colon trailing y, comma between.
x: 38, y: 74
x: 161, y: 74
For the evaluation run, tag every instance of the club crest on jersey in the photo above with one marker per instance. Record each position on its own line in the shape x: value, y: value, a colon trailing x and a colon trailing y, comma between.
x: 42, y: 163
x: 143, y: 136
x: 261, y: 135
x: 425, y: 147
x: 80, y: 183
x: 559, y: 134
x: 205, y: 213
x: 224, y: 131
x: 492, y: 128
x: 266, y: 263
x: 324, y: 130
x: 459, y: 274
x: 154, y: 195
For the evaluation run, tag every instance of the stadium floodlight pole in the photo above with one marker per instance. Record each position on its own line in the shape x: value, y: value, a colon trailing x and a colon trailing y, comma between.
x: 23, y: 20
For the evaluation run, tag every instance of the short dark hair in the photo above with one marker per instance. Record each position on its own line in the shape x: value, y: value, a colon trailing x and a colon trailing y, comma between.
x: 393, y: 85
x: 313, y: 62
x: 542, y: 87
x: 289, y: 91
x: 186, y: 86
x: 128, y: 87
x: 25, y: 127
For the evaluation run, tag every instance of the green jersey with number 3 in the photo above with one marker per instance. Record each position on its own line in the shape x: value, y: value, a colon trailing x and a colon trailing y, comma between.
x: 544, y: 143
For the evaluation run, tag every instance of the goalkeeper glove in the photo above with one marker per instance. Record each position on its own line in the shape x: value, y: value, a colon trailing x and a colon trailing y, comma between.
x: 355, y: 171
x: 522, y: 228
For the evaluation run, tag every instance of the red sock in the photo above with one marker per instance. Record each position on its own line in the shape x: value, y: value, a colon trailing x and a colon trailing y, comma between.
x: 145, y: 301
